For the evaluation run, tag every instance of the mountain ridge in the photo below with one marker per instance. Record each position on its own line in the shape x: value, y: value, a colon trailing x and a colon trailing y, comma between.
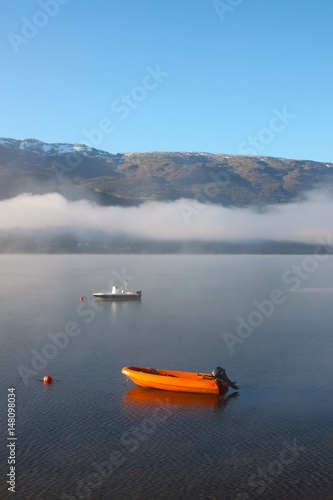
x: 80, y: 171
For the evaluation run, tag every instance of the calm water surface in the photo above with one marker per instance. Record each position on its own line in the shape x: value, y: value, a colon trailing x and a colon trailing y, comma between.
x: 89, y: 436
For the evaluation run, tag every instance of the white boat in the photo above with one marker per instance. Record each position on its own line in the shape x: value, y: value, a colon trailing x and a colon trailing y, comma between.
x: 117, y: 294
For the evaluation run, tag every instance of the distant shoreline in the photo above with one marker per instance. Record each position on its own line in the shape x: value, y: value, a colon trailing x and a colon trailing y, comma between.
x: 32, y: 244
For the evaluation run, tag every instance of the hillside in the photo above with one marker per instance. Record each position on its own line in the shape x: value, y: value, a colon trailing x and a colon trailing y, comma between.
x: 76, y: 171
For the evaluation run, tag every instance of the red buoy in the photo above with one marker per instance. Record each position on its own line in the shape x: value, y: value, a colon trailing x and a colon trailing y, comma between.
x: 47, y: 379
x: 81, y: 298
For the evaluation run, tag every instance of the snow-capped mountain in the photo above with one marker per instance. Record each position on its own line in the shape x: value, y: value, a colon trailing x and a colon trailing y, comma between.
x: 34, y: 146
x: 77, y: 171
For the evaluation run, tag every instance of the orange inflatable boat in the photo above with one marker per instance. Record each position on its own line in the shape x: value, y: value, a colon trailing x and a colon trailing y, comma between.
x: 167, y: 380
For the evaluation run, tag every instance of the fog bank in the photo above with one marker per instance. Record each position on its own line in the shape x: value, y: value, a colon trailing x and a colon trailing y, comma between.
x: 303, y: 221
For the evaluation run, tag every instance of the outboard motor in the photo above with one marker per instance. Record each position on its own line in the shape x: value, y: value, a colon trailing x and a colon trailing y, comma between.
x: 220, y: 376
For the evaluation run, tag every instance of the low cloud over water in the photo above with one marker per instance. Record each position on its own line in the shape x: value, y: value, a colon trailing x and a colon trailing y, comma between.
x: 303, y: 221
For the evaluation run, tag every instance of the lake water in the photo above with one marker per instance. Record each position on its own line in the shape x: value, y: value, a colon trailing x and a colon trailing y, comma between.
x: 266, y: 319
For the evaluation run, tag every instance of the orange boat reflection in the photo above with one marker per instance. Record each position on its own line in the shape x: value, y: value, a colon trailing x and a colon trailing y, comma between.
x: 151, y: 397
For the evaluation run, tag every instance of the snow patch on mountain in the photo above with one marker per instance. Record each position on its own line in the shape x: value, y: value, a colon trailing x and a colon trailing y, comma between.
x: 38, y: 147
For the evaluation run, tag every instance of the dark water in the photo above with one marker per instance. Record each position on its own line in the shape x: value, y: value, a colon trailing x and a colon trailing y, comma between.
x: 89, y: 436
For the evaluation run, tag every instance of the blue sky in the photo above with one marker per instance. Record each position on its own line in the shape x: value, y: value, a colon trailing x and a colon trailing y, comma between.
x: 234, y: 76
